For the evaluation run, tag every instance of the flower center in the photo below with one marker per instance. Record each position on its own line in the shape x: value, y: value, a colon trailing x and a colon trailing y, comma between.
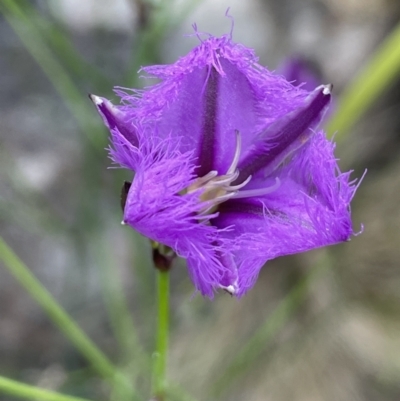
x: 218, y: 188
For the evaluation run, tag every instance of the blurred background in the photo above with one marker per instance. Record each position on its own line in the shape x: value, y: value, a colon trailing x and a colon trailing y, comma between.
x: 334, y: 335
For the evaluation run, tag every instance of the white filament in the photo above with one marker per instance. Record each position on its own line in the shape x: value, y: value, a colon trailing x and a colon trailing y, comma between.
x: 218, y: 189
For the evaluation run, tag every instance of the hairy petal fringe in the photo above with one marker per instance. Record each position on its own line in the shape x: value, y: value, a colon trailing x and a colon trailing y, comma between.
x: 290, y: 195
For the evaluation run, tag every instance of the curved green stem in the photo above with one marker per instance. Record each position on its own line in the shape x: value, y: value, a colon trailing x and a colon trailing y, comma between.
x: 74, y: 99
x: 56, y: 313
x: 251, y: 350
x: 22, y: 390
x: 376, y: 76
x: 160, y: 355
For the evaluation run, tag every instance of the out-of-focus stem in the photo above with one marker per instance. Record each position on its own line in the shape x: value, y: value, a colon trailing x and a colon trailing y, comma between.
x: 376, y: 76
x: 22, y: 390
x: 20, y: 22
x: 261, y: 339
x: 59, y: 316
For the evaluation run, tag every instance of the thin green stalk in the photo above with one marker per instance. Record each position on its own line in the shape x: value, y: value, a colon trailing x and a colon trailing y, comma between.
x: 160, y: 355
x: 375, y: 77
x: 54, y: 34
x: 22, y: 390
x: 245, y: 356
x: 116, y: 303
x: 132, y: 355
x: 56, y: 313
x: 61, y: 80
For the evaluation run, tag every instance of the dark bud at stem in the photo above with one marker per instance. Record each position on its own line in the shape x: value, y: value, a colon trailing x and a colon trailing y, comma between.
x: 163, y: 256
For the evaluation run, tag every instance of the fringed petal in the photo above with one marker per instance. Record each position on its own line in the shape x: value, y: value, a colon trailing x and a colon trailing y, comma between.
x: 208, y: 94
x: 310, y: 209
x: 229, y: 171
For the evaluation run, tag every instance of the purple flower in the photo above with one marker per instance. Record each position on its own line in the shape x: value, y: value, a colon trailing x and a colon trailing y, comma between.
x: 230, y: 169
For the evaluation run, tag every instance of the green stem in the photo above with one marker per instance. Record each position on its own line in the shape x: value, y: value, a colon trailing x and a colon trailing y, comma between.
x: 379, y: 72
x: 160, y: 356
x: 56, y: 313
x: 21, y: 390
x: 116, y: 303
x: 22, y: 25
x: 246, y: 356
x: 132, y: 356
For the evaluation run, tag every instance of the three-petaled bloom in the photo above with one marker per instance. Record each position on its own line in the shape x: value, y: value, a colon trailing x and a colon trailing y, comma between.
x: 230, y: 169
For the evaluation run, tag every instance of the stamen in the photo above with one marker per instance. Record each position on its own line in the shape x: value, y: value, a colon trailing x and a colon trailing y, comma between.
x: 223, y: 180
x: 207, y: 177
x: 224, y: 198
x: 232, y: 168
x: 243, y: 184
x: 217, y: 189
x: 258, y: 192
